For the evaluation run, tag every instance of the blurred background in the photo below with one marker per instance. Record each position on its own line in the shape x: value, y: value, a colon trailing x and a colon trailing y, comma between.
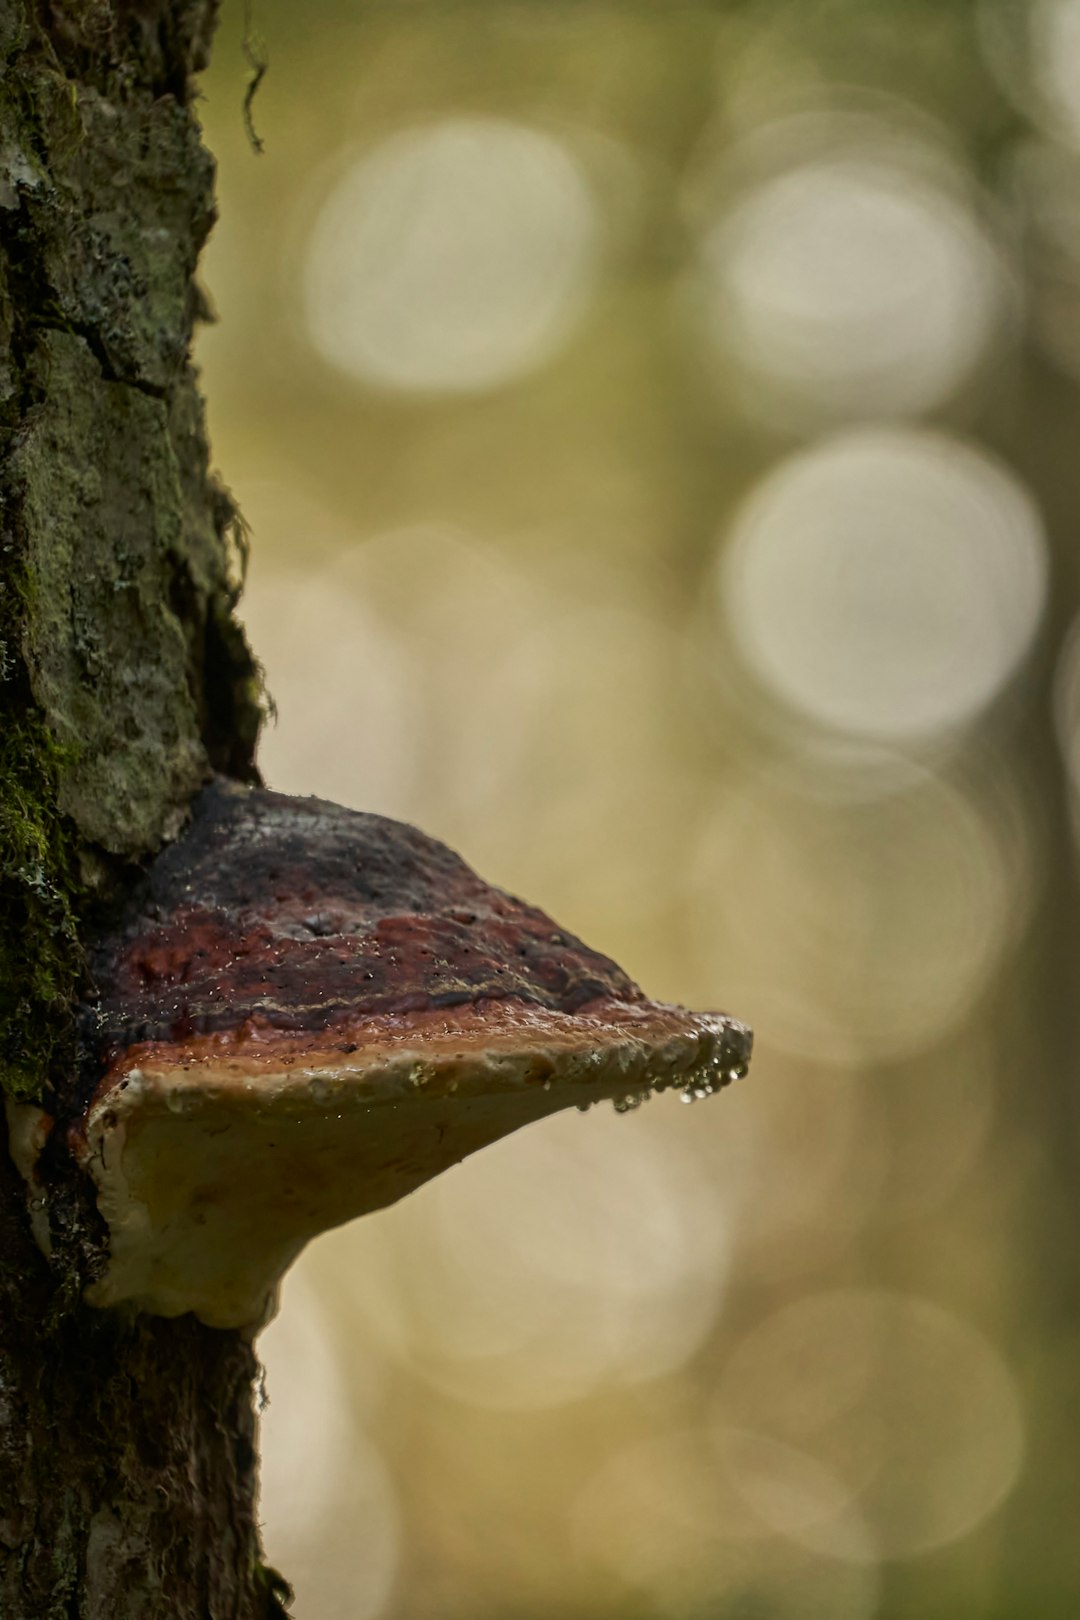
x: 659, y: 429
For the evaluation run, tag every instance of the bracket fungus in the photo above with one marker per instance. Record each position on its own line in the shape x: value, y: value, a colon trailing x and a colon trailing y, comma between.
x: 306, y: 1012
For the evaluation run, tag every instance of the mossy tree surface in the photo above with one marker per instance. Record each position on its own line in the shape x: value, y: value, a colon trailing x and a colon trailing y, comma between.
x: 126, y: 1443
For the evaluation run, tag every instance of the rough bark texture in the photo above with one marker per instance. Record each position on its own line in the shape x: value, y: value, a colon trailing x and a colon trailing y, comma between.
x: 126, y: 1443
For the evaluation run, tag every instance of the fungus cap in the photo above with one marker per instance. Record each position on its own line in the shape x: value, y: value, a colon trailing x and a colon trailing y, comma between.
x: 304, y: 1014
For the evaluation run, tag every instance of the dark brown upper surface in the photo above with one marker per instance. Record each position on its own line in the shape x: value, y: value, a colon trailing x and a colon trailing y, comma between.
x: 300, y: 914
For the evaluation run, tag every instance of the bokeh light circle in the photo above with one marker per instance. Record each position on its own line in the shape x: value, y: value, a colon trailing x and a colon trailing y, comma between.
x: 1054, y: 46
x: 584, y: 1253
x: 857, y: 931
x: 795, y: 1495
x: 852, y: 282
x: 1031, y: 48
x: 348, y: 695
x: 886, y: 583
x: 666, y: 1520
x: 909, y: 1407
x: 452, y: 258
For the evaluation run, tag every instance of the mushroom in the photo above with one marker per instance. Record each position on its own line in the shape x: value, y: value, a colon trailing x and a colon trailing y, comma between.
x: 304, y: 1013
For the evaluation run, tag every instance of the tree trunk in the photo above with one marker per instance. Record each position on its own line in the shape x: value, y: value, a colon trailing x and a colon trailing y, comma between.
x: 127, y: 1454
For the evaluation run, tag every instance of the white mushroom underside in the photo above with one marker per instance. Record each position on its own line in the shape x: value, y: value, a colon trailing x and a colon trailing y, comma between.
x: 212, y: 1174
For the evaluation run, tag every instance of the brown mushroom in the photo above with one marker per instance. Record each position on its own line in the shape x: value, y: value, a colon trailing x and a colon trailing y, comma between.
x: 305, y: 1013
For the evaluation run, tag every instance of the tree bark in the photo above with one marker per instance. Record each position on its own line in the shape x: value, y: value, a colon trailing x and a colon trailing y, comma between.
x: 127, y: 1452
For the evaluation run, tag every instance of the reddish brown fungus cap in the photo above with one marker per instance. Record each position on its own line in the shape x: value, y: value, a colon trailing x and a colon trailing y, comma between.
x: 305, y: 1013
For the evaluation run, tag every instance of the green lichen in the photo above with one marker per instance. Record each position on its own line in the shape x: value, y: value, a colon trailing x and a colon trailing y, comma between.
x: 40, y: 959
x: 104, y: 638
